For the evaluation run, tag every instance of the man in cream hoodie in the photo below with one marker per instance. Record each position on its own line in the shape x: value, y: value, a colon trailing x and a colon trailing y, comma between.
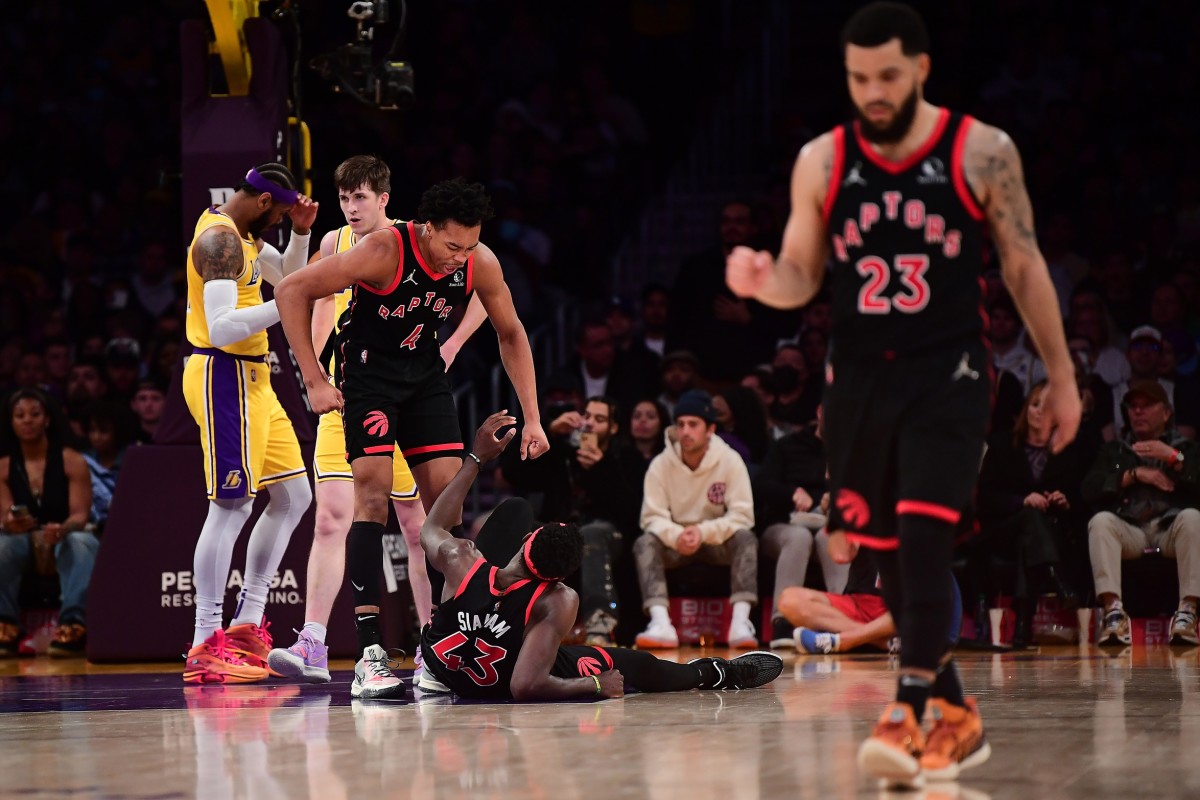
x: 697, y: 507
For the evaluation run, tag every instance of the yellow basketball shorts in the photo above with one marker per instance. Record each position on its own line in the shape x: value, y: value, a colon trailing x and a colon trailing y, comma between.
x: 247, y: 438
x: 329, y: 459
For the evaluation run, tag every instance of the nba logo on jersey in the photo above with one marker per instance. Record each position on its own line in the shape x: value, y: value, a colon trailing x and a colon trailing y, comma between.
x: 362, y: 357
x: 233, y: 479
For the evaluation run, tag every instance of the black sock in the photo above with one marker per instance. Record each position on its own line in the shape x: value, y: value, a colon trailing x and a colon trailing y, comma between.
x: 364, y: 555
x: 915, y: 691
x: 368, y: 630
x: 948, y: 686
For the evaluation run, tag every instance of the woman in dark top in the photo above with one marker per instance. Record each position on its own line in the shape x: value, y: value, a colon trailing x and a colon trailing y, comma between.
x: 46, y: 497
x: 742, y: 423
x: 1029, y: 508
x: 647, y: 427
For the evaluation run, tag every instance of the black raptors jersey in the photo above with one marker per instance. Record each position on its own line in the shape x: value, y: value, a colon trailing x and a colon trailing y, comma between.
x: 472, y: 642
x: 907, y: 246
x: 404, y: 317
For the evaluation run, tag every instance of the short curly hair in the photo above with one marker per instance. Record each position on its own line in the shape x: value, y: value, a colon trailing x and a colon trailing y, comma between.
x: 455, y: 200
x: 556, y: 551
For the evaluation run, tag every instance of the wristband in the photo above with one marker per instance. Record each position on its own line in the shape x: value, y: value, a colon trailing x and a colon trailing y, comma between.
x: 475, y: 458
x: 598, y: 687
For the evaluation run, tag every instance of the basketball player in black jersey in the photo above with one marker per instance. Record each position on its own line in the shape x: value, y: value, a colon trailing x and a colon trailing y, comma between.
x: 497, y: 630
x: 898, y: 197
x: 392, y: 386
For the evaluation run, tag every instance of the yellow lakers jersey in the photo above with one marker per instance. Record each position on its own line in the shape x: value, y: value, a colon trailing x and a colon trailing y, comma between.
x: 249, y: 290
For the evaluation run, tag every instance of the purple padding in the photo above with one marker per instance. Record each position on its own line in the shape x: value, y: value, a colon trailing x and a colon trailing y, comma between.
x: 229, y: 437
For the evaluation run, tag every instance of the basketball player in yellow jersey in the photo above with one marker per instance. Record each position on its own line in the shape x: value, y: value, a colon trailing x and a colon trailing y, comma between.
x: 363, y: 184
x: 247, y: 438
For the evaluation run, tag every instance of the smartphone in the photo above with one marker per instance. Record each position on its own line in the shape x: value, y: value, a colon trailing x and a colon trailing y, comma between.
x: 588, y: 440
x: 19, y: 511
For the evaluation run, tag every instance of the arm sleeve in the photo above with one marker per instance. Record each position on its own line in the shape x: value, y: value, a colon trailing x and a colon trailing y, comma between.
x: 226, y: 322
x: 276, y: 267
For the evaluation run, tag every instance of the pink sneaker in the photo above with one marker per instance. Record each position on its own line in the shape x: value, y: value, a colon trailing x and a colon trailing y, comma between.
x: 373, y: 676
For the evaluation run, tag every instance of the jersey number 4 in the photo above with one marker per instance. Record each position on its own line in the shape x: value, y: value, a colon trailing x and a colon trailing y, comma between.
x: 911, y: 271
x: 489, y: 654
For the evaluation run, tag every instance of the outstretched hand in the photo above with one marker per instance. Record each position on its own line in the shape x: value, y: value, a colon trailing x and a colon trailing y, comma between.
x: 487, y: 446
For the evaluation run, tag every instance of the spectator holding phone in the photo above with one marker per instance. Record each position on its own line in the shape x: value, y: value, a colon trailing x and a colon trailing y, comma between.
x: 591, y: 477
x: 46, y: 497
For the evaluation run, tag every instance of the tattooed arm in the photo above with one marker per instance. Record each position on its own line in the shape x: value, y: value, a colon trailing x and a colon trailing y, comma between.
x: 793, y: 279
x: 993, y: 169
x: 219, y: 260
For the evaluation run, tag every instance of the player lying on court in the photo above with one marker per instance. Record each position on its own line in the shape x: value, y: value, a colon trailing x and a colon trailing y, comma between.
x: 497, y: 631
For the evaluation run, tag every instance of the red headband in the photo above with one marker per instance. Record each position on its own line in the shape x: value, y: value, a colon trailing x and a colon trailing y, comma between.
x: 529, y: 559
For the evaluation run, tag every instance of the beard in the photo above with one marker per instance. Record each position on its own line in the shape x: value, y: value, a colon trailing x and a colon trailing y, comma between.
x: 259, y: 224
x: 893, y: 131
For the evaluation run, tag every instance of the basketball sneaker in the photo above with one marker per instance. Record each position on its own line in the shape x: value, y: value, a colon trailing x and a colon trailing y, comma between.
x: 747, y: 671
x: 1183, y: 627
x: 251, y: 642
x: 373, y: 676
x: 1115, y: 630
x: 741, y: 635
x: 816, y: 642
x: 307, y: 660
x: 956, y: 741
x: 658, y: 636
x: 213, y: 661
x: 892, y: 750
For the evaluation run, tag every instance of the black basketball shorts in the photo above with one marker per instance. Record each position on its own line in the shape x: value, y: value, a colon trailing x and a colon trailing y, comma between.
x: 905, y: 436
x: 402, y: 401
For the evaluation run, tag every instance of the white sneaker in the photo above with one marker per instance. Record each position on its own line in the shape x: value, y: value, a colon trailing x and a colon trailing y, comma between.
x: 741, y: 635
x: 373, y: 677
x: 658, y: 636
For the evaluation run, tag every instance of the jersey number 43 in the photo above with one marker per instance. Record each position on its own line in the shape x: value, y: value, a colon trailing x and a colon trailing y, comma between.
x: 489, y: 654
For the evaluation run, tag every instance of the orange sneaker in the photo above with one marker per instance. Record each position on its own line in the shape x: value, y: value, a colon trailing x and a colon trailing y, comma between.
x: 214, y: 662
x: 892, y: 751
x: 956, y: 741
x: 253, y: 643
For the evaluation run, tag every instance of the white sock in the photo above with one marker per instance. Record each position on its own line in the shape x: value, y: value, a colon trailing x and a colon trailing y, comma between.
x: 741, y: 611
x: 315, y: 631
x: 268, y: 541
x: 210, y: 565
x: 659, y: 615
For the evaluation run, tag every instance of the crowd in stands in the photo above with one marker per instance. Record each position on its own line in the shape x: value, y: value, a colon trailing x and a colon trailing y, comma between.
x: 571, y: 142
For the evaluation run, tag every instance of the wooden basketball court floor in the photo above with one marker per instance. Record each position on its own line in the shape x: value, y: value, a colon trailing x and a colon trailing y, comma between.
x: 1065, y: 722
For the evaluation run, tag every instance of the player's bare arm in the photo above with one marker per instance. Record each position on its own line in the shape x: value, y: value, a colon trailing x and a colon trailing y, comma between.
x: 473, y: 317
x: 550, y: 620
x: 217, y: 255
x: 448, y: 555
x: 373, y: 261
x: 515, y: 352
x: 795, y: 277
x: 993, y: 169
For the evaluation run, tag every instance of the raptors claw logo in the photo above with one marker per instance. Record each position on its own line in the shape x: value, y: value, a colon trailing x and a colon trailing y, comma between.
x: 376, y: 423
x: 588, y: 666
x: 853, y: 508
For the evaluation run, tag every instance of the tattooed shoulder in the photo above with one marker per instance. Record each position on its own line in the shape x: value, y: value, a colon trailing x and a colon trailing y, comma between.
x: 993, y: 165
x: 218, y: 256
